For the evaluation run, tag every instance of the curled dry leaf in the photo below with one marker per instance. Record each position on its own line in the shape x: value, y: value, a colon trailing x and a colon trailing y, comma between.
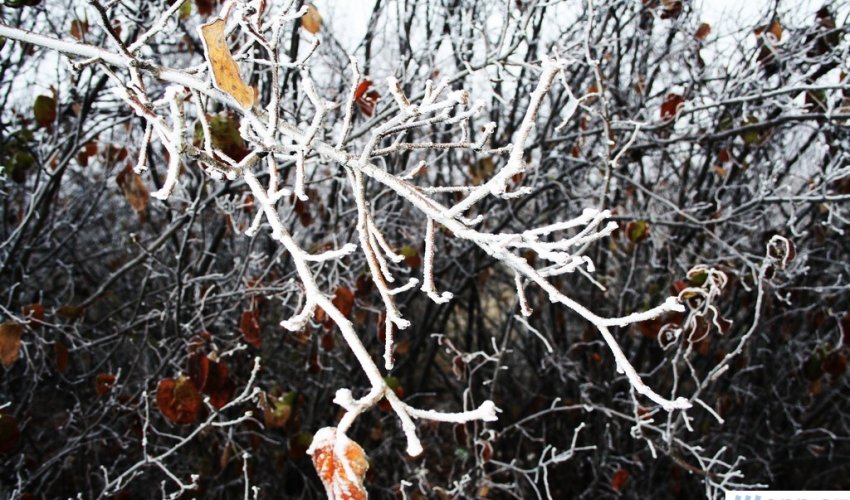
x: 10, y: 342
x: 312, y: 21
x: 340, y: 463
x: 224, y: 68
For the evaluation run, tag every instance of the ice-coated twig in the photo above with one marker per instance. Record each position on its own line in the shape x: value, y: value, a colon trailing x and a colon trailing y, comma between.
x: 428, y: 268
x: 173, y: 142
x: 347, y: 121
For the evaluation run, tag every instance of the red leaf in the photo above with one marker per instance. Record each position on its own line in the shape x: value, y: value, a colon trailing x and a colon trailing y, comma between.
x: 366, y: 101
x: 619, y: 479
x: 179, y: 400
x: 362, y: 87
x: 250, y: 326
x: 103, y: 383
x: 671, y: 105
x: 34, y: 311
x: 218, y: 385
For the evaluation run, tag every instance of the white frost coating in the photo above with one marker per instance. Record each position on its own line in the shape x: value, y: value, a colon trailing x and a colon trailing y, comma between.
x: 561, y: 254
x: 486, y: 412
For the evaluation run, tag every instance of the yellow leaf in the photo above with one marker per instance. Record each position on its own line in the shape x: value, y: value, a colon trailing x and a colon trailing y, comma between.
x: 225, y: 70
x: 340, y: 463
x: 312, y: 21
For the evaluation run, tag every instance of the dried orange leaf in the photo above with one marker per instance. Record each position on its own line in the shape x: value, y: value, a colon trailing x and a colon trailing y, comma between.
x: 10, y: 342
x: 312, y: 21
x: 340, y: 463
x: 224, y: 69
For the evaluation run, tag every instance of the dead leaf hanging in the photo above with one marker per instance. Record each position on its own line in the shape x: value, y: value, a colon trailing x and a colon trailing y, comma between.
x: 340, y: 463
x: 312, y: 21
x: 224, y: 68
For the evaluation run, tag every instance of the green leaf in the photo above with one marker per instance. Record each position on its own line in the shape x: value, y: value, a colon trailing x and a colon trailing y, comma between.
x: 751, y: 136
x: 185, y: 9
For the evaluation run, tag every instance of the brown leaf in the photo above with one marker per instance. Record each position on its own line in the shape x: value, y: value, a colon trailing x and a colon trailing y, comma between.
x: 224, y: 68
x: 671, y: 105
x: 44, y: 110
x: 703, y: 31
x: 250, y: 326
x: 70, y: 312
x: 103, y: 383
x: 205, y: 7
x: 79, y: 29
x: 343, y: 300
x: 179, y: 400
x: 340, y: 463
x: 10, y: 342
x: 312, y: 21
x: 775, y: 29
x: 134, y: 190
